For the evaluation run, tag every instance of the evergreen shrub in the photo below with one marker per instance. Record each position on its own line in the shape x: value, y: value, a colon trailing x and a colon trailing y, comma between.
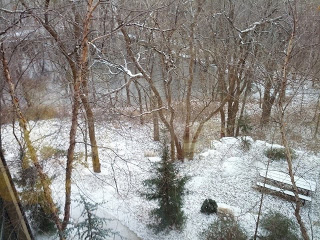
x: 244, y: 124
x: 278, y: 227
x: 167, y: 188
x: 278, y: 153
x: 245, y: 144
x: 41, y: 218
x: 209, y: 206
x: 224, y: 228
x: 32, y: 198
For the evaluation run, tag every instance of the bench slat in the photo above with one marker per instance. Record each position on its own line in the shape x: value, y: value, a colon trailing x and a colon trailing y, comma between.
x: 283, y: 191
x: 285, y: 178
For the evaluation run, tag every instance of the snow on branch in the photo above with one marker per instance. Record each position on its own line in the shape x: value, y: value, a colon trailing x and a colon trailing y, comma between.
x: 149, y: 112
x: 255, y: 24
x: 10, y: 11
x: 149, y: 28
x: 121, y: 68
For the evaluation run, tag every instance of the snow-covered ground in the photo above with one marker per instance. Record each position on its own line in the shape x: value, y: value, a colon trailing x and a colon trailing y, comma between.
x: 224, y: 173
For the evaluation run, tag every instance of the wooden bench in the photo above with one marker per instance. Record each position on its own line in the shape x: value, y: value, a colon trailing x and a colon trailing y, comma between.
x: 287, y: 192
x: 283, y: 181
x: 306, y: 185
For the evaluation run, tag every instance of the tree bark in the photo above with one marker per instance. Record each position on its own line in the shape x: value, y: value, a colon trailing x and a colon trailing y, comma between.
x: 92, y: 135
x: 70, y: 156
x: 140, y: 102
x: 84, y: 70
x: 244, y: 101
x: 155, y: 119
x: 268, y: 101
x: 128, y: 103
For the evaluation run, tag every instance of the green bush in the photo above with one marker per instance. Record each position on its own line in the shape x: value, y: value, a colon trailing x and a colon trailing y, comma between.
x: 209, y: 206
x: 41, y: 218
x: 167, y: 188
x: 224, y: 228
x: 33, y: 200
x: 278, y: 227
x: 244, y: 124
x: 278, y: 153
x: 245, y: 144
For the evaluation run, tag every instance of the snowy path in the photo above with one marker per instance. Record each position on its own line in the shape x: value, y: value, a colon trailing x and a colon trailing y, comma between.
x: 124, y: 232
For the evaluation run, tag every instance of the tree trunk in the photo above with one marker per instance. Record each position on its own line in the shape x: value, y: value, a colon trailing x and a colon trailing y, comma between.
x: 70, y: 157
x: 201, y: 125
x: 222, y: 123
x: 172, y: 150
x: 231, y: 108
x: 186, y: 134
x: 246, y: 93
x: 234, y: 91
x: 232, y: 116
x: 84, y: 95
x: 128, y: 103
x: 222, y: 93
x: 79, y: 68
x: 155, y: 119
x: 266, y: 104
x: 92, y: 134
x: 140, y: 102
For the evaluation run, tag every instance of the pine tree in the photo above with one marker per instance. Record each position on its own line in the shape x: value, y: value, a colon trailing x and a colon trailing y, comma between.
x: 93, y: 226
x: 167, y: 189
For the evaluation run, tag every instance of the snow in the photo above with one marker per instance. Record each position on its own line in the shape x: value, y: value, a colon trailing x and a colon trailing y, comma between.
x: 231, y: 167
x: 235, y: 210
x: 225, y: 173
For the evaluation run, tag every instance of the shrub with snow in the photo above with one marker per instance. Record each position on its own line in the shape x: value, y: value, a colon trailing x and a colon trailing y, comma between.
x: 278, y: 153
x: 226, y: 228
x: 278, y: 227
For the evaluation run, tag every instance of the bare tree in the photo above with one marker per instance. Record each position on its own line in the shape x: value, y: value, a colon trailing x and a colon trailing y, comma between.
x: 76, y: 55
x: 282, y: 111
